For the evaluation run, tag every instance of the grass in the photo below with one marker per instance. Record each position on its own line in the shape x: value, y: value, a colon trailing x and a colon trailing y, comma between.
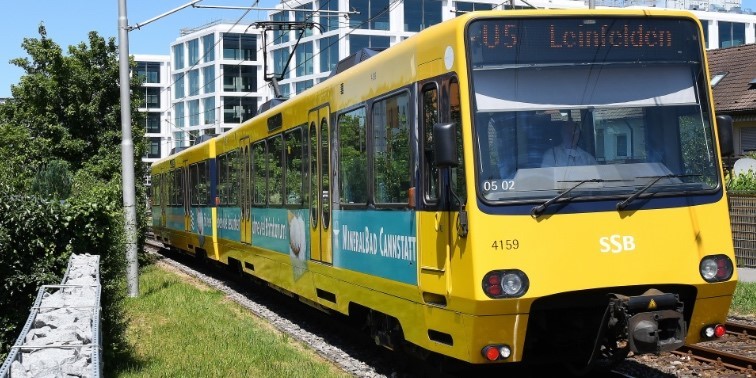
x: 744, y: 300
x: 180, y: 328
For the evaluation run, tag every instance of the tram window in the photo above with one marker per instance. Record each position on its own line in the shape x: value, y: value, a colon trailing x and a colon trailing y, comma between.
x: 275, y: 172
x: 234, y: 174
x: 455, y: 115
x: 313, y: 184
x: 293, y: 176
x: 202, y: 186
x: 325, y: 175
x: 391, y: 156
x: 178, y: 187
x: 155, y: 191
x: 352, y: 157
x: 429, y: 118
x: 222, y: 192
x: 193, y: 181
x: 260, y: 170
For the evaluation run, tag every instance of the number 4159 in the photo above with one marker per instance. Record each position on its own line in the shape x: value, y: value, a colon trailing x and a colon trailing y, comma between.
x: 508, y: 244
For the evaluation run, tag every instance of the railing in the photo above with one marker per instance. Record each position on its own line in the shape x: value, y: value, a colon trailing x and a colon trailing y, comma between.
x: 743, y: 222
x: 62, y: 335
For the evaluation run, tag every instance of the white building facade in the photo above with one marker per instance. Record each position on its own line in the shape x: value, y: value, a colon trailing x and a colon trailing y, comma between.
x: 216, y: 80
x: 155, y: 73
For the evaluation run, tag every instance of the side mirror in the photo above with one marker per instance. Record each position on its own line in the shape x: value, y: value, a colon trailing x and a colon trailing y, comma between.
x: 445, y: 145
x: 724, y: 129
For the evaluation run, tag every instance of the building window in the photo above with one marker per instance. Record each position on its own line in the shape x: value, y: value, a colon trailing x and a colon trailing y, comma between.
x: 149, y: 72
x: 280, y: 57
x: 462, y: 7
x: 209, y: 105
x: 731, y: 34
x: 153, y: 123
x: 178, y: 86
x: 193, y: 51
x: 152, y: 97
x: 239, y: 78
x: 208, y: 45
x: 279, y: 36
x: 358, y: 42
x: 285, y: 90
x: 329, y: 53
x: 208, y: 76
x: 194, y: 82
x: 238, y: 109
x: 153, y: 149
x: 305, y: 16
x: 178, y: 118
x: 304, y: 59
x: 374, y: 14
x: 303, y: 86
x: 178, y: 57
x: 747, y: 139
x: 240, y: 47
x: 194, y: 113
x: 329, y: 21
x: 419, y: 14
x: 179, y: 139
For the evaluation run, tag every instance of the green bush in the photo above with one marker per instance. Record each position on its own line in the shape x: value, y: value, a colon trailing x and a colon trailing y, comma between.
x: 743, y: 183
x: 37, y: 237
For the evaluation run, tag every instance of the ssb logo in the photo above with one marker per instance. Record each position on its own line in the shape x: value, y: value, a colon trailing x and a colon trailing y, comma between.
x: 617, y: 243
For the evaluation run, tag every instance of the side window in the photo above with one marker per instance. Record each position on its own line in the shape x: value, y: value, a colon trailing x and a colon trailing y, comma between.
x: 275, y: 170
x: 352, y: 157
x: 203, y: 185
x: 391, y: 153
x: 260, y: 170
x: 313, y: 184
x: 429, y: 118
x: 294, y: 155
x: 455, y: 115
x: 234, y: 173
x: 193, y: 183
x: 180, y: 187
x: 222, y: 187
x: 325, y: 175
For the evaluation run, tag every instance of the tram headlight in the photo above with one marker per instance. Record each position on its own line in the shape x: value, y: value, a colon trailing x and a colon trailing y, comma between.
x: 716, y: 268
x: 511, y: 283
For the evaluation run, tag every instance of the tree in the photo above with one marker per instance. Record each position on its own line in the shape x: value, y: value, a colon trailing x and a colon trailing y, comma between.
x: 70, y: 105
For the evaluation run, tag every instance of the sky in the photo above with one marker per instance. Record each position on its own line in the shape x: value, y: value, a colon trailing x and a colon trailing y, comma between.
x: 69, y: 22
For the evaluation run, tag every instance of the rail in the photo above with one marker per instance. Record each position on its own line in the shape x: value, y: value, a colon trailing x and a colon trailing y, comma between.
x: 62, y: 335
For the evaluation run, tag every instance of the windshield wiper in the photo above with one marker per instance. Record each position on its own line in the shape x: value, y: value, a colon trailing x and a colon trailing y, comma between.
x: 536, y: 211
x: 623, y: 204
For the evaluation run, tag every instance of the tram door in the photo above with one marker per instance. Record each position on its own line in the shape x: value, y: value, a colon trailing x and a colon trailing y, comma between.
x: 187, y: 193
x: 319, y: 185
x: 245, y: 191
x: 434, y: 226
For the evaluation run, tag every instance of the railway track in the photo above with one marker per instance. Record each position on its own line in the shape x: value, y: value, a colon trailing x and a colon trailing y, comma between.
x: 734, y: 352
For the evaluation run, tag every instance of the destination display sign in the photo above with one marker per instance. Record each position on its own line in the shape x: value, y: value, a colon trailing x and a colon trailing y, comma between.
x: 582, y: 40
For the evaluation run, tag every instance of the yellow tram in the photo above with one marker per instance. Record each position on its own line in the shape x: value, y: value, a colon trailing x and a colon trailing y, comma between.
x: 507, y: 186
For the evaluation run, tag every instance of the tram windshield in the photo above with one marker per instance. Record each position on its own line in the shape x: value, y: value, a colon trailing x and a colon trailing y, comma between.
x: 610, y: 104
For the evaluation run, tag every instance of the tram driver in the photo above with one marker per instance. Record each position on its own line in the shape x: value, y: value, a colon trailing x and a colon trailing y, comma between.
x: 567, y: 153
